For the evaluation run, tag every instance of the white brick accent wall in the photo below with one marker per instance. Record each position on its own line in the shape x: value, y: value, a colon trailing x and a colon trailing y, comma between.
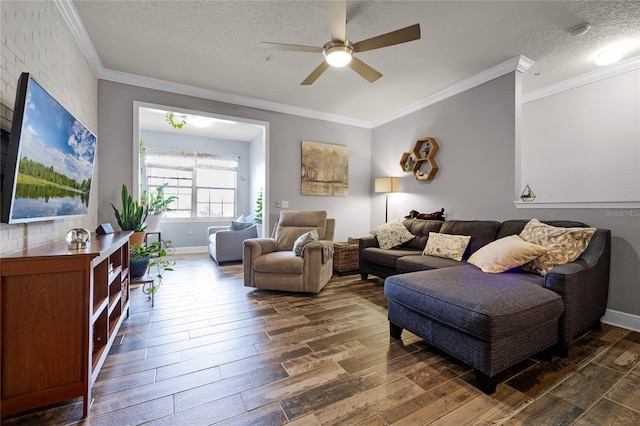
x: 35, y: 39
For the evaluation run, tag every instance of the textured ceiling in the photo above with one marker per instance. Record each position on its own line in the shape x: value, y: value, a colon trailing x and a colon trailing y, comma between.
x: 216, y: 45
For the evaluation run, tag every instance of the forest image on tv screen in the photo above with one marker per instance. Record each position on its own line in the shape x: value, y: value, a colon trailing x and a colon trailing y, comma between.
x: 55, y: 164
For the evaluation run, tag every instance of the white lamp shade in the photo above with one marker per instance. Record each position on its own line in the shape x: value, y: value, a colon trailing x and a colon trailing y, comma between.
x: 387, y: 184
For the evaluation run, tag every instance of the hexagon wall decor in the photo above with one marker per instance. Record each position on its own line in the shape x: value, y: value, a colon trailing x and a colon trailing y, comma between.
x: 421, y: 161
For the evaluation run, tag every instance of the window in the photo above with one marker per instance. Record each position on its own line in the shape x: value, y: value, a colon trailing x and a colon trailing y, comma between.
x: 205, y: 184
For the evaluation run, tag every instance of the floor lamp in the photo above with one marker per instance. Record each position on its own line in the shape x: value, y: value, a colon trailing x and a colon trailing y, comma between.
x: 387, y: 185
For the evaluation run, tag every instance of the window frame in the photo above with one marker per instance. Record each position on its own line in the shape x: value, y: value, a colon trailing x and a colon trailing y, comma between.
x: 199, y: 160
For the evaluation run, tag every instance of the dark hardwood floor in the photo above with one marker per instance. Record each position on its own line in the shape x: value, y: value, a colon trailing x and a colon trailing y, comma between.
x: 212, y: 351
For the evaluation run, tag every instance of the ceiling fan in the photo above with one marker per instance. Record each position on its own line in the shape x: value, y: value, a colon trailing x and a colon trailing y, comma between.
x: 339, y: 52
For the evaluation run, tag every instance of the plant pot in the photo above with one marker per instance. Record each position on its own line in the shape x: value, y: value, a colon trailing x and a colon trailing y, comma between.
x: 138, y: 267
x: 137, y: 238
x: 153, y: 223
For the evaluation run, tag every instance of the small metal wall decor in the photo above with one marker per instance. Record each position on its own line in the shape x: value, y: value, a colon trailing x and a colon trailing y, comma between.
x: 421, y: 161
x: 527, y: 195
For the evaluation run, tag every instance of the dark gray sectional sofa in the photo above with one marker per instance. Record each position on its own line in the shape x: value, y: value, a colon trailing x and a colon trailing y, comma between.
x: 489, y: 321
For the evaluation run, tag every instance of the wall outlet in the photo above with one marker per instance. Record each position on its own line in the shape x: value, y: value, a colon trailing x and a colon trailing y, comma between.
x: 285, y: 204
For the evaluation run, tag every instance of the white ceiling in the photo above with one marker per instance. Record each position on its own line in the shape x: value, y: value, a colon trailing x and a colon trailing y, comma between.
x: 215, y: 45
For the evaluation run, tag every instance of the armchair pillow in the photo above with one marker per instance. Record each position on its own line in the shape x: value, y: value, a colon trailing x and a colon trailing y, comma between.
x: 303, y: 240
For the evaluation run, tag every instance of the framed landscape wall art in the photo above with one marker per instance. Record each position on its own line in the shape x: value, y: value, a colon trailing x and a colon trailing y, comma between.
x: 325, y: 169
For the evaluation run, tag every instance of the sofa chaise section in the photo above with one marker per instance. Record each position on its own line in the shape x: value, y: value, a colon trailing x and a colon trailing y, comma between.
x: 491, y: 322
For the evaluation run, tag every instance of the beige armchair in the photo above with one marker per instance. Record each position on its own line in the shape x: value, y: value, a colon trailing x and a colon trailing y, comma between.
x: 270, y: 263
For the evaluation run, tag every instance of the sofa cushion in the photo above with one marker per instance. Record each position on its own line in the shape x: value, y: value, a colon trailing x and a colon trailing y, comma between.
x: 564, y: 244
x: 488, y: 306
x: 279, y: 262
x: 482, y: 232
x: 505, y: 253
x: 385, y: 257
x: 421, y: 229
x: 447, y: 246
x: 391, y: 234
x: 424, y: 263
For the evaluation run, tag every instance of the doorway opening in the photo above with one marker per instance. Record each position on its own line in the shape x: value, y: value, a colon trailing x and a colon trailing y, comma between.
x: 216, y: 165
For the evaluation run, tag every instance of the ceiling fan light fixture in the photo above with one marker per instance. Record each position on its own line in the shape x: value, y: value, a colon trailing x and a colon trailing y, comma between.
x: 338, y: 55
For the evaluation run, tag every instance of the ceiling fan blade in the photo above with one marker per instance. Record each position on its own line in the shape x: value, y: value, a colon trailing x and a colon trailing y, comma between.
x: 364, y: 70
x: 389, y: 39
x: 315, y: 74
x: 292, y: 47
x: 337, y: 14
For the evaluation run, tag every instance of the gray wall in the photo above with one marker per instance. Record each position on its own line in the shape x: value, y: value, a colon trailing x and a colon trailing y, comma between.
x: 584, y: 144
x: 285, y: 135
x: 592, y: 131
x: 476, y: 131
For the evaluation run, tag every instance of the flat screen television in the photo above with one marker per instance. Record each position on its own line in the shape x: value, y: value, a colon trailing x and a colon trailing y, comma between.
x: 49, y: 159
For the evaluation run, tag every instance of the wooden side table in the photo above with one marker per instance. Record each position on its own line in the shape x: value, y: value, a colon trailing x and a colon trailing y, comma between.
x: 346, y: 258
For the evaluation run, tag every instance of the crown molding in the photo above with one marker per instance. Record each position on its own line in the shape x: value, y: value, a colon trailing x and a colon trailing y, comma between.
x: 183, y: 89
x: 583, y: 79
x: 519, y: 63
x: 70, y: 15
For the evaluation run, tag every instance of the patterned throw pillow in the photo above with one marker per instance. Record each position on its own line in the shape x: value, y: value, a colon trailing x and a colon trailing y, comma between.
x: 303, y: 240
x: 446, y: 245
x: 238, y: 226
x: 391, y: 234
x: 505, y: 253
x: 564, y: 244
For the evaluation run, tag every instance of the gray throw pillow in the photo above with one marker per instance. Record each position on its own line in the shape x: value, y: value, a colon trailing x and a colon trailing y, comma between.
x: 303, y: 240
x: 237, y: 226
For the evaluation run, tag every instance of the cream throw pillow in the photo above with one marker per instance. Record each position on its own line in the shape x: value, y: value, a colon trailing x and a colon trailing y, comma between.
x: 303, y: 240
x: 391, y: 234
x: 446, y: 245
x: 505, y: 253
x: 564, y: 244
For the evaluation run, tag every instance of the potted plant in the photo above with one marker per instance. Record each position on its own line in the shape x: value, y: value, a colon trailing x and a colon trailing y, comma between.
x: 131, y: 217
x: 157, y: 204
x: 142, y: 258
x: 258, y: 211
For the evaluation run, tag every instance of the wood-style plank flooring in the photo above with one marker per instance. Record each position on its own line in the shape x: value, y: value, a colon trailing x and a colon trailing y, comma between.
x: 212, y: 351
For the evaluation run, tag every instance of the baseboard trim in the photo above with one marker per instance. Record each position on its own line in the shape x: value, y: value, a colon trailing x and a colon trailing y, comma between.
x: 622, y: 319
x: 191, y: 250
